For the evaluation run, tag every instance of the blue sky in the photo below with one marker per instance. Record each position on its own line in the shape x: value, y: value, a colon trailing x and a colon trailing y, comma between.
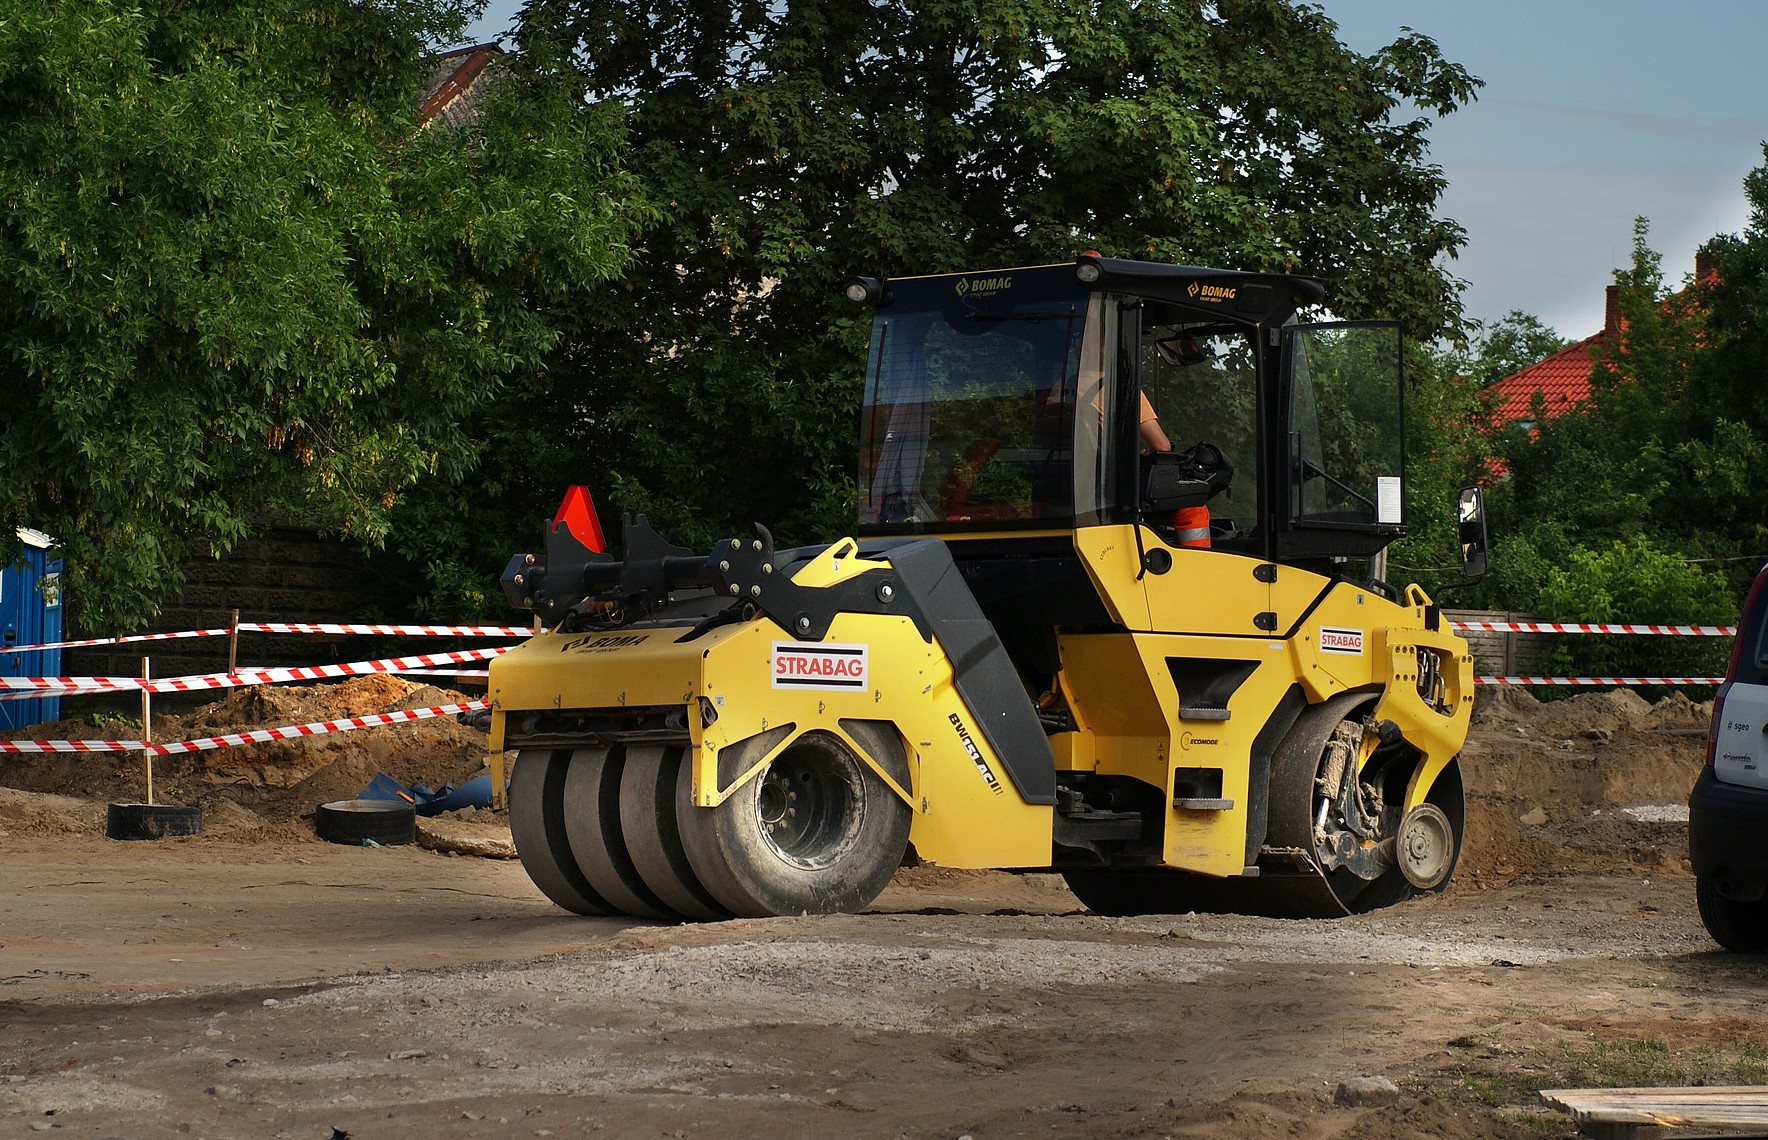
x: 1594, y: 112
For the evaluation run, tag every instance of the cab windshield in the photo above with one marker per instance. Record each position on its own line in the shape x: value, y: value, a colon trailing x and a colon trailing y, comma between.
x: 970, y: 400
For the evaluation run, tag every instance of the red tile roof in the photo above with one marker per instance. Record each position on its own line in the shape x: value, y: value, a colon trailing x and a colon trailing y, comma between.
x: 1563, y: 380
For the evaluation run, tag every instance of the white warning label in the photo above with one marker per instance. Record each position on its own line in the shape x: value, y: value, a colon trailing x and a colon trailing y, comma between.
x: 818, y: 666
x: 1333, y: 640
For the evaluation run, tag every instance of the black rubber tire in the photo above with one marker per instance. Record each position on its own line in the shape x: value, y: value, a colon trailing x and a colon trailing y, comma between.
x: 653, y: 839
x: 152, y: 821
x: 537, y: 824
x: 389, y: 823
x: 1122, y: 892
x: 1737, y: 926
x: 592, y: 826
x: 838, y: 834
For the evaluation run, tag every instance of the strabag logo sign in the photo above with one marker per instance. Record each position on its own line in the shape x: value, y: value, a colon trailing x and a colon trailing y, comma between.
x: 824, y: 665
x: 1347, y: 641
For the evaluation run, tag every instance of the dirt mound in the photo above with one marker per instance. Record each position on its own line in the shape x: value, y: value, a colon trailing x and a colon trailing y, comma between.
x: 1549, y: 782
x: 249, y: 787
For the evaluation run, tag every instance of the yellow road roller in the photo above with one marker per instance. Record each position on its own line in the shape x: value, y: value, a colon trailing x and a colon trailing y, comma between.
x: 1114, y: 608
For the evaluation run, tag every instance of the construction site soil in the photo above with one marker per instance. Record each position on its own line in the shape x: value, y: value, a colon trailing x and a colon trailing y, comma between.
x: 256, y: 981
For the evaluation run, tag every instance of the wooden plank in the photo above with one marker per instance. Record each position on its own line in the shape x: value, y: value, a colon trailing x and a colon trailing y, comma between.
x: 1719, y: 1106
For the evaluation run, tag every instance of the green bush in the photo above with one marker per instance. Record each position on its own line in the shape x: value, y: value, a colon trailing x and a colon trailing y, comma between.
x: 1634, y: 581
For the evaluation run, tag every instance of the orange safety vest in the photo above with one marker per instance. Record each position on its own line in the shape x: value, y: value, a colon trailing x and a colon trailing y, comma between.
x: 1192, y: 523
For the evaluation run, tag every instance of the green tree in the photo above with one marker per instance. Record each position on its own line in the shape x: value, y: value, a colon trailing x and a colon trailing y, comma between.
x: 1650, y: 502
x: 787, y: 146
x: 1636, y: 581
x: 1509, y: 344
x: 240, y: 279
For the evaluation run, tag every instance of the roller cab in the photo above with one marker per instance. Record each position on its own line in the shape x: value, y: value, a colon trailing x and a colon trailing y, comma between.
x: 1113, y: 607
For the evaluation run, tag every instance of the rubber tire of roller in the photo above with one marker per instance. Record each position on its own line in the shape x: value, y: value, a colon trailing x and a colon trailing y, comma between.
x: 653, y: 837
x: 592, y: 828
x: 537, y: 824
x: 855, y: 847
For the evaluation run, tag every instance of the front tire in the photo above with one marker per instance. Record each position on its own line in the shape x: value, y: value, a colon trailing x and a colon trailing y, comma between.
x: 537, y: 824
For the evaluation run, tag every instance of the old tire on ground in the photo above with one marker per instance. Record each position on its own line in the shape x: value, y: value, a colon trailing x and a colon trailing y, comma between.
x: 537, y: 824
x: 152, y: 821
x: 816, y: 832
x: 389, y: 823
x: 653, y: 837
x: 1735, y: 925
x: 592, y: 828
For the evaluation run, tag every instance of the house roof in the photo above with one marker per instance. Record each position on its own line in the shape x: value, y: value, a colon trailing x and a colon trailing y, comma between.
x: 456, y: 85
x: 1563, y: 380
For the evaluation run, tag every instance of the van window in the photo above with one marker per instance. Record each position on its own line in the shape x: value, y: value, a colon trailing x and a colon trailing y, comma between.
x: 1752, y: 634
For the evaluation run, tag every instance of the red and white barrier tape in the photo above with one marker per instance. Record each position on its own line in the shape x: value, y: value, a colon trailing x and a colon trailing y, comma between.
x: 117, y: 640
x: 15, y: 688
x: 1599, y: 681
x: 1592, y: 627
x: 293, y: 627
x: 255, y: 736
x: 386, y: 630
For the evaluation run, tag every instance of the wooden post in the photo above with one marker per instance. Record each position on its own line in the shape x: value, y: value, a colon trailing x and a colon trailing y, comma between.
x: 147, y: 723
x: 233, y: 644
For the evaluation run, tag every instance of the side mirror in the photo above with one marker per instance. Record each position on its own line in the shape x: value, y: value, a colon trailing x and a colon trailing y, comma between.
x: 1471, y: 533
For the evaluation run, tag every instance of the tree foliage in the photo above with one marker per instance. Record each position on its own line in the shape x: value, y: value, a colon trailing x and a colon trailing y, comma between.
x: 788, y: 146
x: 1509, y: 344
x: 1649, y: 502
x: 241, y: 279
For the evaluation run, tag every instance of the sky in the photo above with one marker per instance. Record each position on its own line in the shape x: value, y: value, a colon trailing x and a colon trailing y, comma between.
x: 1594, y: 112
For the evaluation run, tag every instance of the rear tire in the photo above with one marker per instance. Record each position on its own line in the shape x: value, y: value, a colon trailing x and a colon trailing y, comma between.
x: 537, y: 824
x: 592, y: 829
x: 1737, y: 926
x: 816, y: 832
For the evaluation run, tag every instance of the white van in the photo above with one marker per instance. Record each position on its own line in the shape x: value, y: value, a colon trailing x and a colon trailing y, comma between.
x: 1728, y: 809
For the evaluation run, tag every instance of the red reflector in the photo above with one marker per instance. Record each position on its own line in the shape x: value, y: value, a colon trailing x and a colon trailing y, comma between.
x: 577, y: 512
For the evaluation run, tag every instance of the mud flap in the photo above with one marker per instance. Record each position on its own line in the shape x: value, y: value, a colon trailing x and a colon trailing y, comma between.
x: 982, y: 672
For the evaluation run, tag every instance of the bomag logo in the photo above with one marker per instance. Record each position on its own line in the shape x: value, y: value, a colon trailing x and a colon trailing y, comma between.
x: 975, y: 754
x: 1212, y: 293
x: 601, y: 643
x: 983, y: 286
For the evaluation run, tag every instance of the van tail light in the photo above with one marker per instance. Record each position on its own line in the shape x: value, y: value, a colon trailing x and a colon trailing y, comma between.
x: 1713, y: 725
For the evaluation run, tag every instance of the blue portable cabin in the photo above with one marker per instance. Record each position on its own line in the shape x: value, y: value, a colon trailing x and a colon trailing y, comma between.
x: 30, y: 614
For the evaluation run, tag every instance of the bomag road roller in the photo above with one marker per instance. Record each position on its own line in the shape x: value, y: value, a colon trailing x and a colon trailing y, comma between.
x: 1113, y: 609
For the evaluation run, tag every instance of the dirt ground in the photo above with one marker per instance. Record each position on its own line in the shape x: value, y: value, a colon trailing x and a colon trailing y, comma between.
x: 254, y: 981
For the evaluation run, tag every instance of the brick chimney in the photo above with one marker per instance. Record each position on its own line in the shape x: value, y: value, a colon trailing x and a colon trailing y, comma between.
x: 1611, y: 312
x: 1705, y: 272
